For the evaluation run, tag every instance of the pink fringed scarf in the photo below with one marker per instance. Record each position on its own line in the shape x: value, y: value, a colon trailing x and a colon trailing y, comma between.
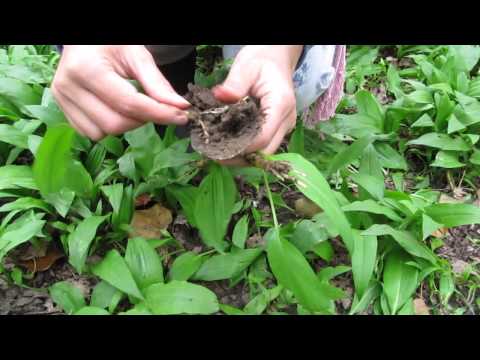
x: 328, y: 102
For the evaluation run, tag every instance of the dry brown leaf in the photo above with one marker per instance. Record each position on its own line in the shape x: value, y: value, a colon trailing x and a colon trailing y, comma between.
x: 440, y: 233
x: 306, y: 208
x: 40, y: 264
x: 32, y: 252
x: 420, y: 307
x: 149, y: 223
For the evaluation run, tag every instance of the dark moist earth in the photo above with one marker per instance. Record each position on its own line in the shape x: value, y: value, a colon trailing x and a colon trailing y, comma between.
x: 222, y: 131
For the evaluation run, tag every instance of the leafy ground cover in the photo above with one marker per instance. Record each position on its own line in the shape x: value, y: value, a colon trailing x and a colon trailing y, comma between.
x: 374, y: 212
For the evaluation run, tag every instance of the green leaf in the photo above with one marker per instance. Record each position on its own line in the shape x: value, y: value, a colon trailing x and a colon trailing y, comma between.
x: 259, y: 303
x: 226, y: 266
x: 404, y: 239
x: 407, y: 308
x: 17, y: 176
x: 350, y: 154
x: 113, y: 145
x: 19, y: 232
x: 399, y: 280
x: 186, y: 196
x: 370, y: 163
x: 54, y: 167
x: 25, y: 203
x: 240, y: 232
x: 448, y: 160
x: 105, y: 295
x: 373, y: 207
x: 67, y: 296
x: 389, y: 158
x: 313, y: 185
x: 454, y: 124
x: 13, y: 136
x: 424, y: 121
x: 371, y: 293
x: 447, y: 287
x: 121, y: 200
x: 293, y: 272
x: 19, y: 93
x: 91, y: 310
x: 297, y: 140
x: 452, y: 215
x: 307, y: 235
x: 61, y: 201
x: 80, y: 239
x: 363, y: 261
x: 49, y: 115
x: 324, y: 250
x: 144, y: 263
x: 328, y: 273
x: 373, y: 185
x: 214, y: 206
x: 180, y: 297
x: 429, y: 226
x: 185, y: 266
x: 475, y: 158
x: 441, y: 141
x: 368, y: 105
x: 114, y: 270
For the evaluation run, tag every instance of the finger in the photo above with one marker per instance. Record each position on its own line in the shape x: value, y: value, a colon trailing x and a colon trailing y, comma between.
x: 123, y: 98
x: 143, y: 68
x: 103, y: 116
x: 237, y: 85
x: 277, y: 139
x: 78, y: 120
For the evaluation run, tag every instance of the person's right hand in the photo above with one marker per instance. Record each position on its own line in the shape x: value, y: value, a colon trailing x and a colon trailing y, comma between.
x: 91, y: 87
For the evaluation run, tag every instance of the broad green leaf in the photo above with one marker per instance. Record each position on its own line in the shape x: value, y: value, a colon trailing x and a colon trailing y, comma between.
x: 180, y: 297
x: 399, y: 280
x: 50, y: 115
x: 105, y: 296
x: 373, y: 185
x: 324, y: 250
x: 259, y: 303
x: 240, y: 232
x: 18, y: 92
x: 454, y: 125
x: 114, y: 270
x: 389, y: 158
x: 13, y: 136
x: 80, y: 239
x: 429, y: 226
x: 423, y: 121
x: 373, y: 207
x: 368, y: 105
x: 138, y: 309
x: 144, y: 263
x: 25, y: 203
x: 226, y: 266
x: 420, y: 97
x: 61, y: 201
x: 113, y: 145
x: 293, y: 272
x: 307, y: 235
x: 407, y: 308
x: 363, y: 261
x: 121, y: 200
x: 297, y: 140
x: 370, y: 163
x: 405, y: 239
x: 214, y: 205
x: 230, y: 310
x: 92, y: 311
x: 350, y: 154
x: 441, y: 141
x: 55, y: 169
x: 313, y: 185
x: 447, y: 159
x: 185, y: 266
x: 171, y: 157
x: 17, y: 176
x: 328, y: 273
x: 19, y: 232
x: 447, y: 287
x: 67, y: 296
x: 475, y: 158
x: 452, y: 215
x: 371, y: 293
x: 186, y: 196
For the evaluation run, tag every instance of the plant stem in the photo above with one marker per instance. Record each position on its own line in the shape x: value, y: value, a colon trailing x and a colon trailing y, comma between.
x: 274, y: 214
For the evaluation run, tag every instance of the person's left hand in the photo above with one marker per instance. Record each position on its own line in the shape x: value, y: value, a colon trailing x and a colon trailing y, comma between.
x: 264, y: 72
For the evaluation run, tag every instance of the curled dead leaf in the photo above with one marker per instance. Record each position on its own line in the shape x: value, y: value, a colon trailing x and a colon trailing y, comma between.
x: 420, y: 307
x: 43, y: 263
x: 306, y: 208
x: 440, y: 233
x: 142, y: 200
x: 150, y: 223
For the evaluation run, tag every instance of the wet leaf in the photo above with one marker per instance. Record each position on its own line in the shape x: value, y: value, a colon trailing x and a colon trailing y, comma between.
x: 43, y: 263
x: 67, y: 296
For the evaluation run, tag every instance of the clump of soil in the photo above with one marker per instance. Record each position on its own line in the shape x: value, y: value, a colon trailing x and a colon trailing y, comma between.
x: 222, y: 131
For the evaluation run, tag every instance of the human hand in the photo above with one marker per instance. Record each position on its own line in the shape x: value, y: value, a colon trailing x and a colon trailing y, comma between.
x: 264, y: 72
x: 91, y: 87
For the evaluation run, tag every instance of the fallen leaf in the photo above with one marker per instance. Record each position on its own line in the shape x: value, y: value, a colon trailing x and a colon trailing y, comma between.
x: 446, y: 199
x: 150, y: 223
x: 142, y: 200
x: 306, y: 208
x: 40, y: 264
x: 459, y: 266
x: 420, y: 307
x: 440, y: 233
x: 32, y: 252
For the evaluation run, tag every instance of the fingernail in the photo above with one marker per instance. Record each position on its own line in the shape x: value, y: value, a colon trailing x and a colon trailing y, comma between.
x: 182, y: 117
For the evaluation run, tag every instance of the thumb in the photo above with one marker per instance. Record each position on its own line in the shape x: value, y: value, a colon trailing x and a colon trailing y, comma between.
x: 237, y: 85
x: 143, y: 68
